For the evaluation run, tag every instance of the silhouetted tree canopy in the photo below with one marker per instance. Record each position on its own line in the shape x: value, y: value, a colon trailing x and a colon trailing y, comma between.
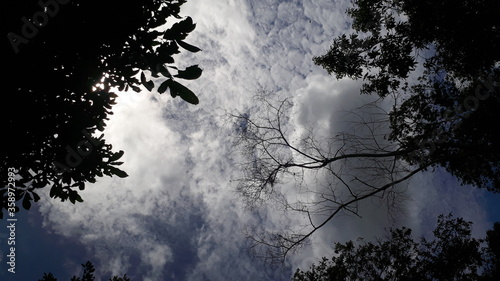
x: 87, y: 275
x: 453, y: 254
x: 448, y: 115
x: 64, y: 62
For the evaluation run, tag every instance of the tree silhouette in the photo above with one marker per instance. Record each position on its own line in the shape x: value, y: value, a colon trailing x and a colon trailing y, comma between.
x: 65, y: 62
x: 87, y: 275
x: 447, y: 112
x: 452, y: 255
x: 330, y: 175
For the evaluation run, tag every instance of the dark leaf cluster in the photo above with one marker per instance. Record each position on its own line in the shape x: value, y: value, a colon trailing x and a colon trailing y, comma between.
x: 453, y: 254
x: 446, y: 116
x: 65, y: 61
x: 87, y: 275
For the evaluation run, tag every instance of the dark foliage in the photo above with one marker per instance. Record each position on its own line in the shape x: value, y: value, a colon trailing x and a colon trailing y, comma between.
x: 448, y: 115
x: 88, y: 275
x: 64, y: 62
x: 453, y: 255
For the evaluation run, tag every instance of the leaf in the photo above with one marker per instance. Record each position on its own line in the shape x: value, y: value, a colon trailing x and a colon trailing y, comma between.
x: 164, y: 86
x: 166, y: 50
x: 54, y: 191
x: 78, y: 198
x: 149, y: 85
x: 187, y: 46
x: 186, y: 94
x: 74, y: 196
x: 164, y: 71
x: 100, y: 126
x: 118, y: 172
x: 191, y: 73
x: 36, y: 197
x: 187, y: 25
x: 116, y: 156
x: 179, y: 30
x: 135, y: 88
x: 154, y: 74
x: 27, y: 201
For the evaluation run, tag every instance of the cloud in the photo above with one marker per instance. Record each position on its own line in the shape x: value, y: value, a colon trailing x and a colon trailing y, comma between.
x: 145, y: 216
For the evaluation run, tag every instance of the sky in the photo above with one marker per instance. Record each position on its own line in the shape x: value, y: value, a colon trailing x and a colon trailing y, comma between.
x: 177, y: 216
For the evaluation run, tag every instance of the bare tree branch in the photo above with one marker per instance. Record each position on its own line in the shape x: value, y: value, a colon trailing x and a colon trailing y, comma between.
x: 327, y: 175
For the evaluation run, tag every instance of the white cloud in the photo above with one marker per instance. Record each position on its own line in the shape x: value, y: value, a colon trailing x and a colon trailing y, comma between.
x: 111, y: 220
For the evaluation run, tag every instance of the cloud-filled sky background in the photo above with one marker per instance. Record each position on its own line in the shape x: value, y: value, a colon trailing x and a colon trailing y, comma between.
x: 177, y: 216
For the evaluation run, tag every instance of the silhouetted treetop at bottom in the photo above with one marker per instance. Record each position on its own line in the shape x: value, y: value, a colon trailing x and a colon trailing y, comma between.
x: 87, y: 275
x: 453, y: 255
